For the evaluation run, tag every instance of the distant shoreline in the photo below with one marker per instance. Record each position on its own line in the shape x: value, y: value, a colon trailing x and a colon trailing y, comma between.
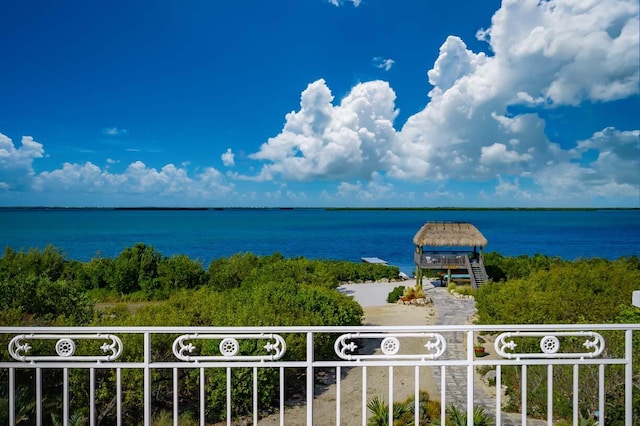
x: 485, y: 208
x: 152, y: 208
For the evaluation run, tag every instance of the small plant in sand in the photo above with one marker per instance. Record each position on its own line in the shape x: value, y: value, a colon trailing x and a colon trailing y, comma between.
x: 411, y: 293
x: 458, y: 417
x: 404, y: 411
x: 465, y: 289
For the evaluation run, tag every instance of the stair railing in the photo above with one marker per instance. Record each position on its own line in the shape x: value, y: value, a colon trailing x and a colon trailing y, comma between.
x: 472, y: 274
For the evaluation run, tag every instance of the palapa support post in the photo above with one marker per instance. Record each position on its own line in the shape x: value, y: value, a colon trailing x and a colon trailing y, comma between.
x: 419, y: 273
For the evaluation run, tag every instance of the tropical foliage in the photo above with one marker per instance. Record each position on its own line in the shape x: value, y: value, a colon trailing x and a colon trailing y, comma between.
x: 429, y: 413
x: 403, y: 411
x: 45, y: 288
x: 541, y: 290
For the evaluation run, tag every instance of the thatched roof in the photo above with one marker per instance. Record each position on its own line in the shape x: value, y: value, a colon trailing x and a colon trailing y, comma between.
x: 449, y: 234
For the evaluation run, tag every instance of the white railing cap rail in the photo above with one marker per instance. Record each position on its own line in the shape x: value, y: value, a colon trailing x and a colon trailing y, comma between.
x: 314, y: 329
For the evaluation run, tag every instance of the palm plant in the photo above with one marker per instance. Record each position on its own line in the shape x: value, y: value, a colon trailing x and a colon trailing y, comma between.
x: 402, y: 412
x: 458, y: 417
x: 76, y: 419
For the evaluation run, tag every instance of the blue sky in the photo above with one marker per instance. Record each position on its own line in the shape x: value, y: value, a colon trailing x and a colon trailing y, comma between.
x: 320, y: 103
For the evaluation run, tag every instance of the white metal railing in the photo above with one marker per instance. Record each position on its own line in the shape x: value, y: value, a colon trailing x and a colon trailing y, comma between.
x: 182, y: 355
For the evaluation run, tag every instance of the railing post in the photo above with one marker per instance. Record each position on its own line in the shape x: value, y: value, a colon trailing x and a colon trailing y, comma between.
x: 550, y: 394
x: 228, y: 396
x: 119, y: 396
x: 310, y: 380
x: 391, y: 395
x: 65, y: 396
x: 498, y: 394
x: 92, y: 396
x: 576, y: 387
x: 203, y: 398
x: 12, y: 396
x: 443, y: 395
x: 628, y: 376
x: 470, y: 355
x: 416, y: 393
x: 147, y: 379
x: 364, y: 395
x: 523, y: 388
x: 601, y: 394
x: 175, y: 396
x: 338, y: 395
x: 255, y: 395
x: 38, y: 396
x: 281, y: 396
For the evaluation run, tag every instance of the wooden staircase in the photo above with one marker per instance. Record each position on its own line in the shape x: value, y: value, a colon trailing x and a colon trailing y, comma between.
x: 477, y: 273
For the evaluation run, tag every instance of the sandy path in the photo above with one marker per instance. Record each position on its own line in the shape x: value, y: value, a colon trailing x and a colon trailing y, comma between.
x: 324, y: 406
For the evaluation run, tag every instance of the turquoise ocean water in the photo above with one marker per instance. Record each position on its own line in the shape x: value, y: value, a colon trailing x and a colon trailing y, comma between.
x: 315, y: 233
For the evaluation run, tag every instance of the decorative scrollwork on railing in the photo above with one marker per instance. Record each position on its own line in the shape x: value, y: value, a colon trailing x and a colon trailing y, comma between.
x: 550, y: 345
x: 345, y: 346
x: 65, y: 347
x: 228, y: 348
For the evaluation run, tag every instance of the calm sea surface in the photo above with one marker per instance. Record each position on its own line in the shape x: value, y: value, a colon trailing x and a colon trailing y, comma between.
x: 315, y: 233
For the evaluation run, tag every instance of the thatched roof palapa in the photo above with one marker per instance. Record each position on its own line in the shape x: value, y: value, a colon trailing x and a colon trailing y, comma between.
x: 449, y: 234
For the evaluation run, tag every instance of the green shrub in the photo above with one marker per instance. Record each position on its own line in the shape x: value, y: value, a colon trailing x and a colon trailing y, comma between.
x: 257, y: 303
x: 44, y: 301
x: 502, y: 268
x: 395, y: 294
x: 591, y: 291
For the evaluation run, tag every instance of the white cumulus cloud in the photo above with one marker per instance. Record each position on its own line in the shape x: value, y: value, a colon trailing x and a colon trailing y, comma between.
x: 364, y: 192
x: 543, y: 54
x: 607, y: 165
x: 16, y: 163
x: 499, y: 154
x: 339, y: 3
x: 138, y: 182
x: 323, y: 141
x: 114, y: 131
x: 383, y: 63
x: 228, y: 158
x: 482, y: 123
x: 568, y: 51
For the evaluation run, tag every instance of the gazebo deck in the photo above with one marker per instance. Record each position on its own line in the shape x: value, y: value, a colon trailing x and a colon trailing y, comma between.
x: 442, y: 259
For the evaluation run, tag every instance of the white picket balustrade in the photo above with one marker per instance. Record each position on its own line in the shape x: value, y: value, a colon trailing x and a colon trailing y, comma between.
x: 446, y: 349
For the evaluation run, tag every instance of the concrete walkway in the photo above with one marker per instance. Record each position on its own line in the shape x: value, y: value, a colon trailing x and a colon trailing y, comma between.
x: 451, y: 311
x: 456, y: 311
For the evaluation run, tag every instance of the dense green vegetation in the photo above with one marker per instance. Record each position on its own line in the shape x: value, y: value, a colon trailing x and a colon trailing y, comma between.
x: 141, y: 287
x: 543, y: 290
